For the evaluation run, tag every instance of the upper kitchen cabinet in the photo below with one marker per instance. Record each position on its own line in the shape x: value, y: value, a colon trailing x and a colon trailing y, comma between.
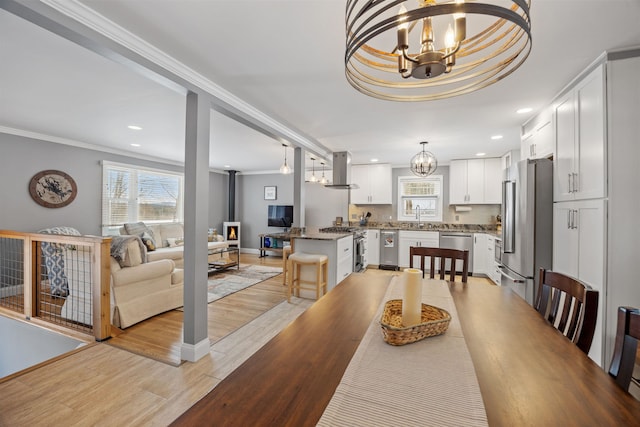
x: 374, y: 182
x: 537, y: 137
x: 580, y: 135
x: 507, y: 163
x: 475, y: 181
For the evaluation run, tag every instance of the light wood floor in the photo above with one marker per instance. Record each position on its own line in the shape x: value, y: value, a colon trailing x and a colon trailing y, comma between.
x: 161, y: 336
x: 106, y: 386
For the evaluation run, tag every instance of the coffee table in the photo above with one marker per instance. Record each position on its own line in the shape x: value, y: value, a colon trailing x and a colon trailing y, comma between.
x: 223, y: 258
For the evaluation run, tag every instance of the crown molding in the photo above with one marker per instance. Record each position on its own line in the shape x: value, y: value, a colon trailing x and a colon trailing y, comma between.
x: 109, y: 29
x: 79, y: 144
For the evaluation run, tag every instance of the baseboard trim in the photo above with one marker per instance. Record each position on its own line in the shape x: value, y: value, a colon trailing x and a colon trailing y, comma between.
x: 193, y: 353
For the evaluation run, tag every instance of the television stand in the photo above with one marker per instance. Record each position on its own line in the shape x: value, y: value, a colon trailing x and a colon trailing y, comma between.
x: 273, y: 242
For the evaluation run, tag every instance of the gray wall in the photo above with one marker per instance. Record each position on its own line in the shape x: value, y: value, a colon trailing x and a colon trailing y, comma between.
x: 21, y: 158
x: 251, y: 208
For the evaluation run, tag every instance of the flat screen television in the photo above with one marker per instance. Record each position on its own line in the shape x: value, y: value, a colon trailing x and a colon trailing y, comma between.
x: 280, y: 216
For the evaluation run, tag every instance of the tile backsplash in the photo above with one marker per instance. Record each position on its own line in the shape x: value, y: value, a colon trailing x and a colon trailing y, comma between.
x: 479, y: 214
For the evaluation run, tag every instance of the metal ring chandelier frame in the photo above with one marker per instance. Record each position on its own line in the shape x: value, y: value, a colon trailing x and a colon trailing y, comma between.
x: 482, y: 59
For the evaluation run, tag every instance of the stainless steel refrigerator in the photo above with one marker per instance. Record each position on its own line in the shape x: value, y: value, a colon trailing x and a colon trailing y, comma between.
x: 527, y: 226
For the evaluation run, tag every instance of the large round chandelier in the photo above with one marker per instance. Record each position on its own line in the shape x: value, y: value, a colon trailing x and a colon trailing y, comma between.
x: 424, y: 163
x: 421, y: 50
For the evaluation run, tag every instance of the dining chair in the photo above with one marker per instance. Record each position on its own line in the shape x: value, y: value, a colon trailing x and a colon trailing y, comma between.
x: 570, y: 305
x: 626, y: 346
x: 443, y: 255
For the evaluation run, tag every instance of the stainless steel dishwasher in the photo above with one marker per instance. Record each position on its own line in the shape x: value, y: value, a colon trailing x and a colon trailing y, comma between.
x: 388, y: 250
x: 458, y: 240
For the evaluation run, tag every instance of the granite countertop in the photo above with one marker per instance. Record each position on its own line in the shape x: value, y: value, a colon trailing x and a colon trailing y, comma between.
x: 462, y: 228
x: 321, y: 236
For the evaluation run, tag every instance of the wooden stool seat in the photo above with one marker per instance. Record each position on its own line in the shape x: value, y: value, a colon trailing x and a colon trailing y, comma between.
x: 286, y: 251
x: 299, y: 259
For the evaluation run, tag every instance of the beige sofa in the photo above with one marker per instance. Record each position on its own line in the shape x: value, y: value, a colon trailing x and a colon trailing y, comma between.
x: 165, y: 236
x: 140, y: 290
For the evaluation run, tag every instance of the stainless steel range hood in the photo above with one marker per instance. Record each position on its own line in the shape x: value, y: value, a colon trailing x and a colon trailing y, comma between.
x: 342, y: 172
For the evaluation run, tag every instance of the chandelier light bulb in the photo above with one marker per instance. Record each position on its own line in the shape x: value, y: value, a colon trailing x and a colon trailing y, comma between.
x: 449, y: 38
x: 401, y: 11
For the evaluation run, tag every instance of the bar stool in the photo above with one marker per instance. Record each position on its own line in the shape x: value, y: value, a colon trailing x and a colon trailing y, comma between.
x: 286, y: 251
x: 299, y: 259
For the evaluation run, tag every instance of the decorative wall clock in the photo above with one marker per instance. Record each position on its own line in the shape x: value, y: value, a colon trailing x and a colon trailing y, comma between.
x: 52, y: 189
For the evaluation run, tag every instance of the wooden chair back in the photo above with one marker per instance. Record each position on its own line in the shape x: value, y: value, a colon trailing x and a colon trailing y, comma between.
x: 569, y: 305
x: 443, y: 255
x: 626, y: 346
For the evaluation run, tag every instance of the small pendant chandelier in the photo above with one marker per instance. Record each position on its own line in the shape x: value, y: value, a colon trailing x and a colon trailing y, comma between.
x: 285, y: 169
x: 424, y: 163
x: 323, y: 180
x: 313, y: 171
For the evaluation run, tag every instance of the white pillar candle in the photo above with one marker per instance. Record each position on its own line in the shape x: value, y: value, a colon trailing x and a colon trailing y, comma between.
x: 412, y: 297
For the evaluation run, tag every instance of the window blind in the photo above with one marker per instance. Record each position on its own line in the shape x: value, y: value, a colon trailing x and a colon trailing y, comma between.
x: 132, y: 194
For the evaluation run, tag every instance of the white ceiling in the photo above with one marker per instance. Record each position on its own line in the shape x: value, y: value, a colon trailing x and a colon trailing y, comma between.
x: 286, y: 59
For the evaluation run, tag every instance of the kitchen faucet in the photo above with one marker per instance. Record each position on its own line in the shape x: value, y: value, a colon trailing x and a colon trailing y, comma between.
x: 420, y: 225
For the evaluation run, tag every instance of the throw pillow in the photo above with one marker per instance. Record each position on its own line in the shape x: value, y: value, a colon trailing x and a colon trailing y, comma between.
x: 129, y: 251
x: 136, y: 228
x: 133, y: 257
x: 175, y: 241
x: 148, y: 241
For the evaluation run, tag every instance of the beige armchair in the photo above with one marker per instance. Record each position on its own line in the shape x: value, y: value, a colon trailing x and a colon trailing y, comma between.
x: 140, y: 290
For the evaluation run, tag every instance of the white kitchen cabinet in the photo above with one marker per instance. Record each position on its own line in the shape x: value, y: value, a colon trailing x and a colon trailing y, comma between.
x: 373, y: 247
x: 508, y: 161
x: 475, y: 181
x: 374, y: 182
x: 580, y: 162
x: 493, y: 181
x: 344, y: 252
x: 493, y: 267
x: 339, y: 252
x: 579, y: 250
x: 428, y: 239
x: 480, y: 254
x: 537, y: 140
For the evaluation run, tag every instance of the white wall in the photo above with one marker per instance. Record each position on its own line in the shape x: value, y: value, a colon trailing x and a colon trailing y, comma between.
x: 323, y: 205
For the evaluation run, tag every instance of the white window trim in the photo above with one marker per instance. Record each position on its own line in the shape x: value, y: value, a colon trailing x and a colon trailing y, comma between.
x: 109, y: 229
x: 438, y: 197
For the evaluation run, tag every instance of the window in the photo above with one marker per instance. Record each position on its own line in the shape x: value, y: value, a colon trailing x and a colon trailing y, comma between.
x: 423, y: 194
x: 132, y: 194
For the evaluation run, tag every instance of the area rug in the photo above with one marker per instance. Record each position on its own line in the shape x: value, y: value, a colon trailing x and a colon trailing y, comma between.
x: 231, y: 281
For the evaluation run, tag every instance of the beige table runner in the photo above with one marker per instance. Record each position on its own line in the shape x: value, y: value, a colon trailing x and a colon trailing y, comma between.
x: 427, y: 383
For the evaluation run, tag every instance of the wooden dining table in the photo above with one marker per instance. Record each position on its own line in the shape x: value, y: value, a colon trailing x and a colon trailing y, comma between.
x: 528, y: 373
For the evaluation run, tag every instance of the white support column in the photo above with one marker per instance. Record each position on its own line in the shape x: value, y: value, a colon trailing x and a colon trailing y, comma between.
x: 196, y: 212
x: 298, y: 187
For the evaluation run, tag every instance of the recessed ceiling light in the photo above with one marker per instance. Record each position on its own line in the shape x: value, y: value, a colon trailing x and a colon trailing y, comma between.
x: 374, y: 160
x: 134, y: 127
x: 481, y: 154
x: 227, y: 166
x: 494, y: 137
x: 135, y: 145
x: 524, y: 110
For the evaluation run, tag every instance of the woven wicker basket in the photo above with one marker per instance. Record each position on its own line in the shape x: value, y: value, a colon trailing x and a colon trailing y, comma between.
x: 435, y: 321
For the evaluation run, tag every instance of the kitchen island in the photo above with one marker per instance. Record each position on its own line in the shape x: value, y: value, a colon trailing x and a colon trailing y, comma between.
x: 338, y: 247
